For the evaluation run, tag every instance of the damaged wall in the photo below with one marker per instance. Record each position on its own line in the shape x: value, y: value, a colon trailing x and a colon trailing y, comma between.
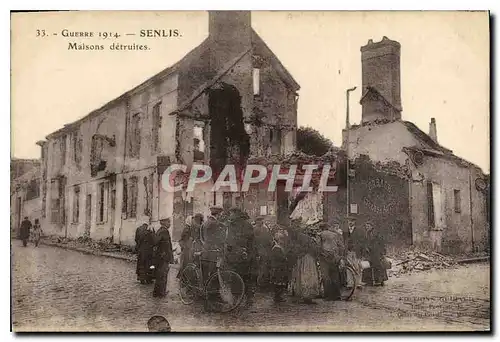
x: 25, y: 199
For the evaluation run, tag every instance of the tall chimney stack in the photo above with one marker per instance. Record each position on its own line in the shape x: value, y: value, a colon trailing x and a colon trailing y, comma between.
x: 433, y: 130
x: 381, y: 73
x: 231, y: 35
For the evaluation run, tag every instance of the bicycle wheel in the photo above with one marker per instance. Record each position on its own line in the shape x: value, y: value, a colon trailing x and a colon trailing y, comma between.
x: 189, y: 283
x: 349, y: 283
x: 224, y: 291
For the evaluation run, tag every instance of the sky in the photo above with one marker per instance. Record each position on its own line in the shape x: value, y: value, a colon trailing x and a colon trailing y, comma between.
x: 444, y: 68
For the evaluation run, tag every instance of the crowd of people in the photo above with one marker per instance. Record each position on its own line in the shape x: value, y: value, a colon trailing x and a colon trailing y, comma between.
x: 294, y: 258
x: 154, y: 256
x: 29, y: 231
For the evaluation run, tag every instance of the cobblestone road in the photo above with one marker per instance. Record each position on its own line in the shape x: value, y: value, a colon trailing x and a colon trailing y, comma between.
x: 60, y: 290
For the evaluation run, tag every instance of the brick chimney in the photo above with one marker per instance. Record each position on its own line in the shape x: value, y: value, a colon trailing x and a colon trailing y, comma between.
x: 381, y: 74
x: 433, y: 130
x: 230, y: 33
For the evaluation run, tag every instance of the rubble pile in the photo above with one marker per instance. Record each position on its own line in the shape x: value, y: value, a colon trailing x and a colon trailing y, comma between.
x: 414, y: 261
x: 294, y: 157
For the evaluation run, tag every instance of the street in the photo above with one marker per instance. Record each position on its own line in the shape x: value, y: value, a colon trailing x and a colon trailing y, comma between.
x: 61, y: 290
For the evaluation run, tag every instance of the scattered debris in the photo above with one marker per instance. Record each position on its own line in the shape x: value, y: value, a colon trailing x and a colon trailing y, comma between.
x: 411, y: 261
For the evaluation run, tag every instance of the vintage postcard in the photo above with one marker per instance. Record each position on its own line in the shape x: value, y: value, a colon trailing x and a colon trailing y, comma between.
x: 215, y: 171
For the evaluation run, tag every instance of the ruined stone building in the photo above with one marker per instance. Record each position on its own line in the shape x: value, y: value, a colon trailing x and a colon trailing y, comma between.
x: 227, y: 100
x: 25, y: 197
x: 19, y: 166
x: 448, y: 197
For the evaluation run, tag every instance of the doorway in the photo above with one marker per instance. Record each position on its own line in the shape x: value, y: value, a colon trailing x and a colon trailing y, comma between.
x: 113, y: 204
x: 229, y: 142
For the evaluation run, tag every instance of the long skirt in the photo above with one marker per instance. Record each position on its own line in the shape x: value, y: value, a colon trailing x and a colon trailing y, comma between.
x: 144, y: 262
x: 161, y: 277
x: 186, y: 258
x: 305, y: 278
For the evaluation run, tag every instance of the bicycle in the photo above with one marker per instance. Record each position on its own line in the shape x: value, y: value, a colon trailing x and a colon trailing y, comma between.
x: 223, y: 290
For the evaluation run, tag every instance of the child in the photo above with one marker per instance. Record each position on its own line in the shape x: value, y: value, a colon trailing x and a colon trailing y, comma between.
x: 279, y: 267
x: 37, y: 232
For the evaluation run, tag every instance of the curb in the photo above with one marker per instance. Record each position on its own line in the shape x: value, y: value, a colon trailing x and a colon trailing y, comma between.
x: 473, y: 260
x: 95, y: 253
x: 89, y: 251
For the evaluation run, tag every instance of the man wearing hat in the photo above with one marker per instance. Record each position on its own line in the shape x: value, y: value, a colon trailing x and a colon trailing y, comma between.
x: 263, y: 243
x: 144, y: 244
x: 158, y: 323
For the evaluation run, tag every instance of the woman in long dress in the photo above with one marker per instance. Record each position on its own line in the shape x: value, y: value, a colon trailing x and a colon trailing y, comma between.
x: 144, y: 243
x: 305, y: 277
x: 37, y: 232
x: 186, y: 243
x: 356, y: 249
x: 279, y: 267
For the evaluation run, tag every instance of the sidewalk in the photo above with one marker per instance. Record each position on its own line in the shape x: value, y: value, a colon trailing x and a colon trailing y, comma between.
x: 74, y: 245
x: 456, y: 295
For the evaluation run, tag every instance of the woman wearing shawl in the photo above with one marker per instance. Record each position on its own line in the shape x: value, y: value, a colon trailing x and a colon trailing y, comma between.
x: 279, y: 267
x: 305, y: 276
x: 144, y: 239
x: 377, y: 273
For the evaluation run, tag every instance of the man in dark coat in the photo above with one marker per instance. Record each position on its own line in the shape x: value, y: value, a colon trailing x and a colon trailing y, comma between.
x: 164, y: 256
x: 240, y: 249
x: 186, y: 243
x: 144, y: 242
x: 25, y: 230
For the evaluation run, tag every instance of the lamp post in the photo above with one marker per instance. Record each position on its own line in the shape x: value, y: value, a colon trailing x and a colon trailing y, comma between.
x: 347, y: 127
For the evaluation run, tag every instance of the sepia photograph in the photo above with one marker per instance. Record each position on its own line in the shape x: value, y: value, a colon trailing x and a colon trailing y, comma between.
x: 250, y: 171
